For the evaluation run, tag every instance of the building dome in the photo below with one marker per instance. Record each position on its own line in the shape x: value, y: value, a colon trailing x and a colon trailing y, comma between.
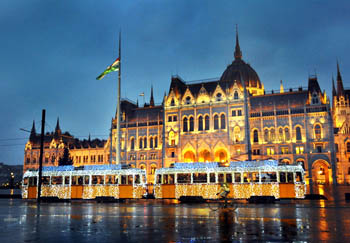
x: 239, y: 69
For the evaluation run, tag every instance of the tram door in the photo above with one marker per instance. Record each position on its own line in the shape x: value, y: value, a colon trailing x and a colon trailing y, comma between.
x: 77, y: 187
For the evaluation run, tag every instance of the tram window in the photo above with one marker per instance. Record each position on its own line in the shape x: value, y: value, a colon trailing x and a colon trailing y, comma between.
x: 97, y: 180
x: 245, y: 177
x: 66, y: 180
x: 298, y: 177
x: 33, y: 181
x: 282, y: 177
x: 200, y: 178
x: 25, y: 181
x: 137, y: 179
x: 116, y: 179
x: 238, y: 177
x: 171, y: 179
x: 159, y: 179
x: 109, y: 179
x: 290, y: 177
x: 123, y: 180
x: 56, y: 180
x: 165, y: 179
x: 86, y: 180
x: 183, y: 178
x: 268, y: 177
x: 221, y: 178
x: 229, y: 178
x: 212, y: 177
x: 80, y: 180
x: 253, y: 177
x: 45, y: 180
x: 77, y: 180
x: 129, y: 179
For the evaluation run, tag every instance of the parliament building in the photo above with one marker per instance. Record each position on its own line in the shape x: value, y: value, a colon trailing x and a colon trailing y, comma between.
x: 214, y: 120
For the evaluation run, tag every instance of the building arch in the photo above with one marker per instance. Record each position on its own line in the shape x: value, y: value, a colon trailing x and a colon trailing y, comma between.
x: 132, y: 143
x: 237, y: 134
x: 255, y: 135
x: 185, y: 124
x: 317, y: 131
x: 321, y: 172
x: 191, y: 124
x: 216, y: 121
x: 204, y: 156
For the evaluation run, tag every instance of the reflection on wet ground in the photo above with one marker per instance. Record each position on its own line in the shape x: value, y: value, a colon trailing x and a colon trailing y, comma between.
x: 156, y: 221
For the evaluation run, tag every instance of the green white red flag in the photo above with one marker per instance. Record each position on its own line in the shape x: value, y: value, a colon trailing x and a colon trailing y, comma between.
x: 111, y: 68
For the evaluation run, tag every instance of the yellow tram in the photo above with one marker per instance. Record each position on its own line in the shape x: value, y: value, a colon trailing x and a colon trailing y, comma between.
x: 86, y: 182
x: 245, y: 179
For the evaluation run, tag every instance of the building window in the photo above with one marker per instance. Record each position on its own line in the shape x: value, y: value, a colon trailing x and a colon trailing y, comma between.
x: 185, y: 128
x: 206, y: 119
x: 170, y: 118
x: 216, y: 122
x: 270, y: 151
x: 319, y: 149
x: 336, y: 147
x: 92, y: 158
x: 299, y: 150
x: 223, y: 123
x: 239, y: 112
x: 284, y: 150
x: 188, y: 100
x: 237, y: 134
x: 132, y: 144
x: 172, y: 103
x: 235, y: 95
x: 53, y: 158
x: 173, y: 154
x: 255, y: 136
x: 145, y: 142
x: 140, y: 143
x: 151, y: 142
x: 317, y: 130
x: 200, y: 123
x: 191, y: 124
x: 218, y: 96
x: 272, y: 134
x: 348, y: 147
x: 280, y: 134
x: 286, y: 133
x: 256, y: 151
x: 266, y: 135
x: 156, y: 142
x: 298, y: 133
x: 153, y: 169
x: 349, y: 171
x: 174, y: 118
x: 234, y: 113
x: 142, y: 156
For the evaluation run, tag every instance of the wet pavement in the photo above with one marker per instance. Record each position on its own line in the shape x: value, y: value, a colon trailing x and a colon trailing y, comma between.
x: 157, y: 221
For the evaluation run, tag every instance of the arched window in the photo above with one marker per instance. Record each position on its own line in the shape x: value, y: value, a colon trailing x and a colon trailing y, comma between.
x: 191, y: 124
x: 255, y: 136
x: 200, y: 123
x: 298, y: 133
x: 280, y: 134
x: 317, y: 132
x: 172, y: 138
x: 140, y: 143
x: 53, y: 158
x: 216, y: 122
x: 145, y: 142
x: 172, y: 103
x: 206, y: 118
x: 348, y: 147
x: 151, y: 142
x: 286, y: 134
x: 272, y: 134
x: 266, y: 135
x: 132, y: 144
x: 156, y: 142
x: 235, y: 95
x: 153, y: 169
x: 188, y: 100
x: 185, y: 125
x: 222, y: 121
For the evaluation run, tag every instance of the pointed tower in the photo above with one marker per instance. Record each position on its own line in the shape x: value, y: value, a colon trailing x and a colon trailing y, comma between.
x: 281, y: 87
x: 334, y: 91
x: 32, y: 133
x: 238, y: 53
x: 58, y: 131
x: 340, y: 87
x: 151, y: 102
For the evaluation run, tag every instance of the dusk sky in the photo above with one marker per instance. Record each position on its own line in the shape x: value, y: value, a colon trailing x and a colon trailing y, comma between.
x: 53, y: 50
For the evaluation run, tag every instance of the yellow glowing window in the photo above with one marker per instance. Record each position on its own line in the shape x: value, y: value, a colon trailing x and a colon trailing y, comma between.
x: 270, y: 151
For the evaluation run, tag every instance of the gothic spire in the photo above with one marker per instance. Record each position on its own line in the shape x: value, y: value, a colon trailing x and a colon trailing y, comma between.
x: 58, y: 129
x: 151, y: 102
x: 334, y: 91
x: 281, y: 87
x: 238, y: 53
x: 340, y: 87
x: 32, y: 132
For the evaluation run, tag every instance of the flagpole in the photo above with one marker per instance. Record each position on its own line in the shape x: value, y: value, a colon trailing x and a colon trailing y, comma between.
x: 118, y: 105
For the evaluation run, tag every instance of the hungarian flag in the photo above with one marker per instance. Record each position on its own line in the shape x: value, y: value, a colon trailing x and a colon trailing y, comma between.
x: 111, y: 68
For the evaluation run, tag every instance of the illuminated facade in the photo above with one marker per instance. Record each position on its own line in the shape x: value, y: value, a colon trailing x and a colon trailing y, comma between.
x: 206, y: 121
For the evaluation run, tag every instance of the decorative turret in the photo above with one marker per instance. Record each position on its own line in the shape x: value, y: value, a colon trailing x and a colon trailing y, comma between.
x: 313, y: 85
x: 238, y: 53
x: 32, y: 133
x: 340, y: 87
x: 281, y: 87
x: 151, y: 102
x: 334, y: 91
